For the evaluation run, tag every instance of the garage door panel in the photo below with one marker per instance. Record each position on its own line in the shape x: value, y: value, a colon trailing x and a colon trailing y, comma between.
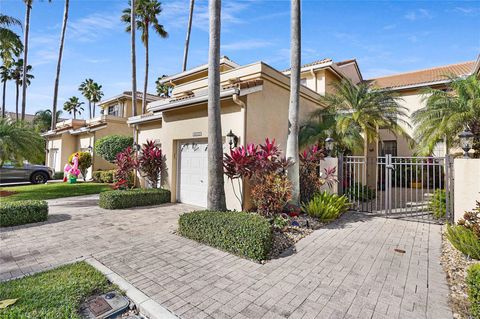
x: 193, y: 165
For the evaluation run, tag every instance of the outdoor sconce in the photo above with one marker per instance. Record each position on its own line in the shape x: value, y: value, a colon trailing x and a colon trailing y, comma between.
x: 136, y: 147
x: 90, y: 148
x: 232, y: 139
x: 466, y: 142
x: 329, y: 143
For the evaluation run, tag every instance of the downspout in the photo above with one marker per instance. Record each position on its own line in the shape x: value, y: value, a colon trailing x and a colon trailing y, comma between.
x: 314, y: 78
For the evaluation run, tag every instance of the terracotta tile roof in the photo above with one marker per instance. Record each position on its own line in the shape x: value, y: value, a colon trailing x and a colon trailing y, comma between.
x: 312, y: 64
x: 420, y: 77
x: 345, y: 62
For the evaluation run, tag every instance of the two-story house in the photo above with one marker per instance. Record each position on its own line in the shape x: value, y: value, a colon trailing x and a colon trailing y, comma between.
x: 75, y: 135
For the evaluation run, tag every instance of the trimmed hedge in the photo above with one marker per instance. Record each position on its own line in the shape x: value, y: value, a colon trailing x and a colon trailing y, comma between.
x: 23, y: 212
x: 473, y: 282
x: 244, y: 234
x: 119, y: 199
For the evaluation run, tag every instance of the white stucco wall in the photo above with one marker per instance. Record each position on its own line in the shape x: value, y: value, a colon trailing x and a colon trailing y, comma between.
x: 466, y: 185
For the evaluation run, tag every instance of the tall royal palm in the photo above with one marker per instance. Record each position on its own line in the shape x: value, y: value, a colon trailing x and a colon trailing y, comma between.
x: 447, y: 113
x: 86, y: 89
x: 73, y: 106
x: 5, y: 76
x: 10, y: 42
x: 17, y: 76
x: 360, y: 106
x: 187, y: 39
x: 147, y: 12
x: 96, y: 95
x: 216, y: 187
x: 294, y: 106
x: 59, y: 62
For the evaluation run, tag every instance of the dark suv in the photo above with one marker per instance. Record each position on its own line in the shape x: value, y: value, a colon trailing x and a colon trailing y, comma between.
x: 36, y: 174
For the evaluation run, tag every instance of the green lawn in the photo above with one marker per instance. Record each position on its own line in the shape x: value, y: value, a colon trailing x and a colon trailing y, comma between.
x: 53, y: 190
x: 56, y: 293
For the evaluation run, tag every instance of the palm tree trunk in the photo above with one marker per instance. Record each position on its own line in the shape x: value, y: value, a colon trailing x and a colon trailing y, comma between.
x: 134, y: 64
x: 89, y: 109
x: 293, y: 109
x: 74, y: 114
x: 59, y: 63
x: 17, y: 95
x: 216, y: 189
x: 187, y: 40
x: 25, y: 57
x: 145, y: 83
x: 3, y: 98
x: 94, y: 106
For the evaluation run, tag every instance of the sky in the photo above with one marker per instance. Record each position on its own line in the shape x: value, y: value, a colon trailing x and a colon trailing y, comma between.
x: 385, y: 37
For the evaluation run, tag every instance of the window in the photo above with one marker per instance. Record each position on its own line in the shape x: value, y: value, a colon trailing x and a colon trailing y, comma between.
x: 113, y: 110
x: 388, y: 147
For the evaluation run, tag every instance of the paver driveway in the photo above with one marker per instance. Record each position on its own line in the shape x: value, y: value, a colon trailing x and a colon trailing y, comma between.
x: 346, y: 270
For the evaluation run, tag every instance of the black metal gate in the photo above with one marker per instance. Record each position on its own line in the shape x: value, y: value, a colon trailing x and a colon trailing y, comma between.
x: 413, y: 188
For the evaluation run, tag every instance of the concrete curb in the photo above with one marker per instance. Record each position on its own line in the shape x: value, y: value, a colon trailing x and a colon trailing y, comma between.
x: 145, y: 304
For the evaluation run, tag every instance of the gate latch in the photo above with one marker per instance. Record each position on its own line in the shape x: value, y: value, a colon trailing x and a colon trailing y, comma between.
x: 390, y: 166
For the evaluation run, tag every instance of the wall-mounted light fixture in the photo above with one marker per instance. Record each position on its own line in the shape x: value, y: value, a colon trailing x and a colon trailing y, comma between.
x: 466, y: 142
x: 232, y: 139
x: 329, y: 144
x: 136, y: 147
x: 90, y: 148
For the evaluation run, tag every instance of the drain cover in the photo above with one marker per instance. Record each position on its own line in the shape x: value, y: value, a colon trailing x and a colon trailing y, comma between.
x: 104, y: 306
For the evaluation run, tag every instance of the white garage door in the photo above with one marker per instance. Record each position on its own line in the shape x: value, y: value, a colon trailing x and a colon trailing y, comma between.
x: 192, y: 177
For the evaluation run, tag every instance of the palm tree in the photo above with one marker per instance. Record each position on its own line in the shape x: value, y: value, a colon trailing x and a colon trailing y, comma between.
x: 447, y: 113
x: 86, y: 89
x: 18, y: 142
x: 293, y: 109
x: 163, y: 89
x: 96, y: 94
x: 216, y: 188
x: 43, y: 119
x: 323, y: 125
x: 134, y: 65
x: 17, y: 76
x: 187, y: 40
x: 59, y: 62
x: 73, y: 106
x: 10, y: 42
x: 28, y: 4
x: 365, y: 109
x: 5, y: 75
x: 146, y: 17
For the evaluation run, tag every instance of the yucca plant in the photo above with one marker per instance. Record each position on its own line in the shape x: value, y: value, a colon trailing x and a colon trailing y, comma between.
x: 326, y: 206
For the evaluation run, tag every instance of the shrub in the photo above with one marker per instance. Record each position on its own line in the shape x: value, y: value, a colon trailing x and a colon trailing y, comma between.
x: 244, y: 234
x: 58, y: 175
x: 310, y: 178
x: 473, y: 282
x: 104, y: 176
x: 464, y: 240
x: 84, y: 162
x: 119, y: 199
x: 471, y: 220
x: 126, y: 164
x: 359, y: 192
x: 271, y: 194
x: 151, y: 163
x: 326, y: 206
x: 109, y: 146
x: 23, y: 212
x: 438, y: 203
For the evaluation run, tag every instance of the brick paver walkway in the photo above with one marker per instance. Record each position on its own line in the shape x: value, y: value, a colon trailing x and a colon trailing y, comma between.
x: 346, y: 270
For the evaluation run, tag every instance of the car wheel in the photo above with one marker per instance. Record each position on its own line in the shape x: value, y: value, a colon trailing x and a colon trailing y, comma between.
x: 39, y: 178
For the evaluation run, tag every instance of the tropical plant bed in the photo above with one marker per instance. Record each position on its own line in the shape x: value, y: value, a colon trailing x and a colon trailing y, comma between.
x: 455, y: 265
x: 56, y: 293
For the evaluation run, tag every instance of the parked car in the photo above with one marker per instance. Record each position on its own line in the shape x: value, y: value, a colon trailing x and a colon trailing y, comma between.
x: 37, y: 174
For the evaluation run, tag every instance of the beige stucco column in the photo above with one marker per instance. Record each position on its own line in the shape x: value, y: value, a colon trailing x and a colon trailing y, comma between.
x: 466, y: 185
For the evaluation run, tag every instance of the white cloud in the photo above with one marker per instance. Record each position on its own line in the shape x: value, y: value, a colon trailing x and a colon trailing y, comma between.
x: 93, y: 27
x: 246, y: 45
x: 468, y: 11
x: 389, y: 27
x: 418, y: 14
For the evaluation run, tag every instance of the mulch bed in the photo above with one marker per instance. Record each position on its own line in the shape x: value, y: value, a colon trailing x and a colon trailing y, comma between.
x: 284, y: 239
x: 6, y: 193
x: 455, y: 265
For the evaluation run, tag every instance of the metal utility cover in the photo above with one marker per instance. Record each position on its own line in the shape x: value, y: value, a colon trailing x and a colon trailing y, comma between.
x: 99, y: 306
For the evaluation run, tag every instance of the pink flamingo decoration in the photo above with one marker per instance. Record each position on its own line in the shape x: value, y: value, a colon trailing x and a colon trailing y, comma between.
x: 71, y: 169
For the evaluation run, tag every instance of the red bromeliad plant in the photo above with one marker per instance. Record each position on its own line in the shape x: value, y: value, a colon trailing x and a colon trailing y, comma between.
x: 126, y: 164
x: 151, y: 163
x: 264, y: 166
x: 311, y: 179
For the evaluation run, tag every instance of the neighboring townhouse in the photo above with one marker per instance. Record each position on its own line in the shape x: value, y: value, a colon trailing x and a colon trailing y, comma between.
x: 74, y: 135
x: 410, y: 86
x: 254, y: 106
